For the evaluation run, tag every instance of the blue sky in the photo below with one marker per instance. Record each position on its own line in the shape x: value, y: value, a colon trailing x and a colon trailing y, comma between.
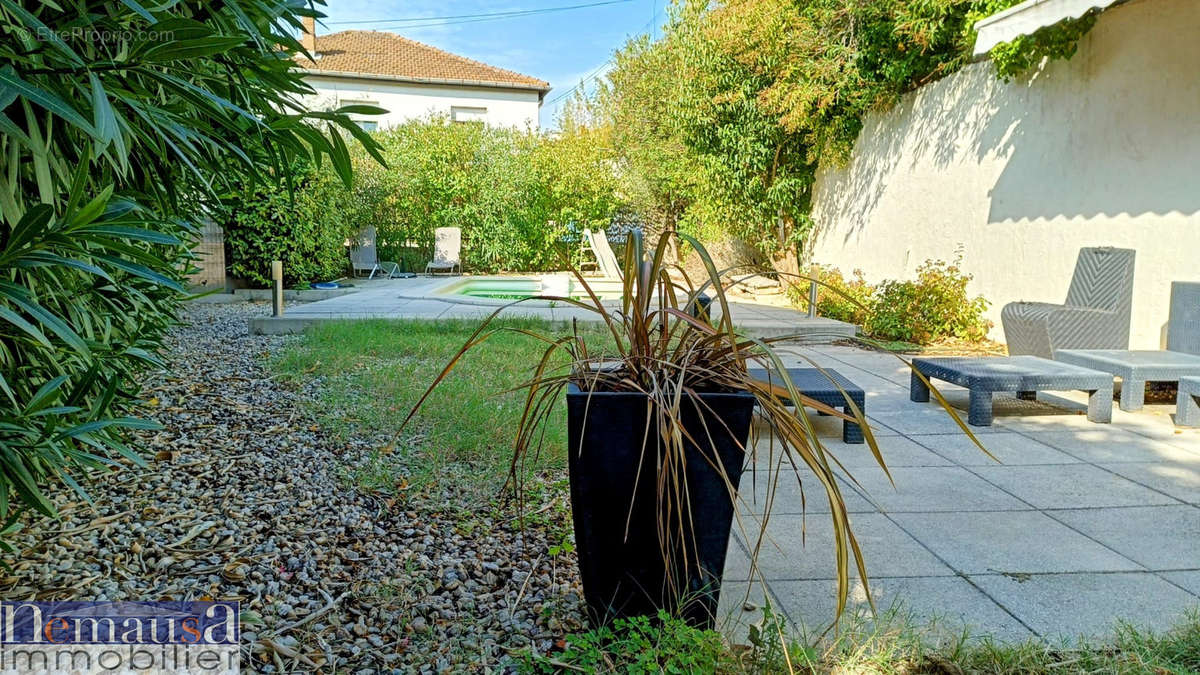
x: 561, y: 47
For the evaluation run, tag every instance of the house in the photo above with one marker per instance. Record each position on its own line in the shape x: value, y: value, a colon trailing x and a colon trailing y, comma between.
x: 1099, y: 150
x: 411, y: 79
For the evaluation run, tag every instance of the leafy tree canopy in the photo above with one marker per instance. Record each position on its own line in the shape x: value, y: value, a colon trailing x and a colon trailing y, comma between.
x: 720, y: 125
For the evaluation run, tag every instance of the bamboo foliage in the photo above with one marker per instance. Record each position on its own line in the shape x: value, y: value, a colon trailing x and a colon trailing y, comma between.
x: 119, y: 123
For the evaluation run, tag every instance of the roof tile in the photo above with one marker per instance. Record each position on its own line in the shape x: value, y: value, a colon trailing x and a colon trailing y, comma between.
x: 387, y: 54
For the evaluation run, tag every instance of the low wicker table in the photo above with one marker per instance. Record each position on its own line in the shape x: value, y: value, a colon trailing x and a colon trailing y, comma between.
x: 1135, y: 368
x: 1021, y: 375
x: 1187, y: 406
x: 815, y: 385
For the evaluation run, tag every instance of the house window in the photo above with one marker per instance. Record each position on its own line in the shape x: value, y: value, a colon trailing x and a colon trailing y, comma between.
x: 366, y: 123
x: 464, y: 114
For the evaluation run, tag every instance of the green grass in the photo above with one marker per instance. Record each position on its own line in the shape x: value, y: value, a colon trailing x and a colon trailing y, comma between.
x: 374, y: 371
x: 892, y: 643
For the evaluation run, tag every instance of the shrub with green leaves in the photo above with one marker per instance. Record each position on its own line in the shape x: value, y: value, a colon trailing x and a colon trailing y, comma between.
x: 848, y: 300
x: 935, y: 305
x: 304, y: 228
x: 932, y: 307
x: 119, y: 124
x: 511, y: 192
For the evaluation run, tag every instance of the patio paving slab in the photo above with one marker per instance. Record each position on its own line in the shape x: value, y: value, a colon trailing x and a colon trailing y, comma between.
x: 927, y: 419
x: 935, y: 488
x: 740, y: 605
x: 952, y: 602
x: 1159, y: 537
x: 1181, y: 480
x: 737, y: 562
x: 787, y: 500
x: 428, y: 298
x: 1008, y: 542
x: 889, y: 552
x: 1110, y: 445
x: 1011, y: 523
x: 1093, y: 601
x: 1009, y: 449
x: 1189, y: 580
x: 1070, y: 486
x: 897, y: 451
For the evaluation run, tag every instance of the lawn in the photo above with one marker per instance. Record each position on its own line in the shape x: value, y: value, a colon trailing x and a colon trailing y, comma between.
x: 372, y: 372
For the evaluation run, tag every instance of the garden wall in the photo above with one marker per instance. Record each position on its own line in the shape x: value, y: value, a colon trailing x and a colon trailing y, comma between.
x: 1100, y: 150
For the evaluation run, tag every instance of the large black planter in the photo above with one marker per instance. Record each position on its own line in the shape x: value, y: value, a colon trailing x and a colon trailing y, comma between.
x: 621, y: 551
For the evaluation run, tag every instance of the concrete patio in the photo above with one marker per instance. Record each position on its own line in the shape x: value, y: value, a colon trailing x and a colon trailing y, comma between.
x: 423, y: 298
x: 1077, y: 525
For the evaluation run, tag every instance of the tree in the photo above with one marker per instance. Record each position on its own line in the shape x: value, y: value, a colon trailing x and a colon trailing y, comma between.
x: 120, y: 123
x: 721, y: 125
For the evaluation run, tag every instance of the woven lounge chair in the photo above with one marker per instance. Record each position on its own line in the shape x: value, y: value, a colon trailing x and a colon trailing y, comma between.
x: 447, y: 248
x: 364, y: 258
x: 1095, y: 315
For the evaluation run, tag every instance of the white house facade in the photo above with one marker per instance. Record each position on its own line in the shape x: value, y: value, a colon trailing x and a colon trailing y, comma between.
x: 410, y: 79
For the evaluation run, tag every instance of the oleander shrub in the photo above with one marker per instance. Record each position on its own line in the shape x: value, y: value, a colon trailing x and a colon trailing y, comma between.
x: 119, y: 124
x: 933, y: 306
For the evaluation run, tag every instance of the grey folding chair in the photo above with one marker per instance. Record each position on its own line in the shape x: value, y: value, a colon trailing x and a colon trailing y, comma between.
x: 1095, y: 315
x: 364, y: 258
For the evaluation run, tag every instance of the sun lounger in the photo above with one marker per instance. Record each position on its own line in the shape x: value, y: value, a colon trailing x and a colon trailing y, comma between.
x: 447, y: 248
x: 606, y: 260
x: 364, y: 257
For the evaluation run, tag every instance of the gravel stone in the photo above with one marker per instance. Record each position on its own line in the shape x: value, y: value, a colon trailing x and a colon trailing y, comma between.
x: 245, y: 498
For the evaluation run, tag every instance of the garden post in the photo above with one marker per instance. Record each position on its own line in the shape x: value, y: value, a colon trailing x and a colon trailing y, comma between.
x: 277, y: 289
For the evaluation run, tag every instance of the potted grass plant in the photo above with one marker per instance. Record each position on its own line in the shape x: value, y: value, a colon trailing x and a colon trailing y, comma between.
x: 659, y: 419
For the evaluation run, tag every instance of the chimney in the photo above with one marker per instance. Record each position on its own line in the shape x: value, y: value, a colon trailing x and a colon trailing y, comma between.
x: 308, y: 39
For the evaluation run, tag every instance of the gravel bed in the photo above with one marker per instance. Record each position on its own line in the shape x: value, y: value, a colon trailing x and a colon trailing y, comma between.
x: 245, y: 498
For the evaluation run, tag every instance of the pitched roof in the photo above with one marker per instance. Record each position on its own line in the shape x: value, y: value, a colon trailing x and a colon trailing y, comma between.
x: 379, y: 54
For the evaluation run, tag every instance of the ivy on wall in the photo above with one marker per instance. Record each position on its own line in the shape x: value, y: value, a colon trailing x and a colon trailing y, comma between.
x: 719, y: 127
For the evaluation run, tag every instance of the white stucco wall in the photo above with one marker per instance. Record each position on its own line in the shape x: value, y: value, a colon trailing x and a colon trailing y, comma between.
x: 404, y: 101
x: 1101, y: 150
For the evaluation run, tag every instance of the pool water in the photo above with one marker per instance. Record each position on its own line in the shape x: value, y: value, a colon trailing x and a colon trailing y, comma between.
x: 499, y: 288
x: 498, y: 295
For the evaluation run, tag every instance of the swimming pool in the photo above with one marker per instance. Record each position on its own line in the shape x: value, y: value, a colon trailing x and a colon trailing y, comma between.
x: 515, y: 288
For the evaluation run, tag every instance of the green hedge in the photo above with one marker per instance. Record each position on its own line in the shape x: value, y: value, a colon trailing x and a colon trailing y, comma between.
x: 512, y: 193
x: 306, y: 229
